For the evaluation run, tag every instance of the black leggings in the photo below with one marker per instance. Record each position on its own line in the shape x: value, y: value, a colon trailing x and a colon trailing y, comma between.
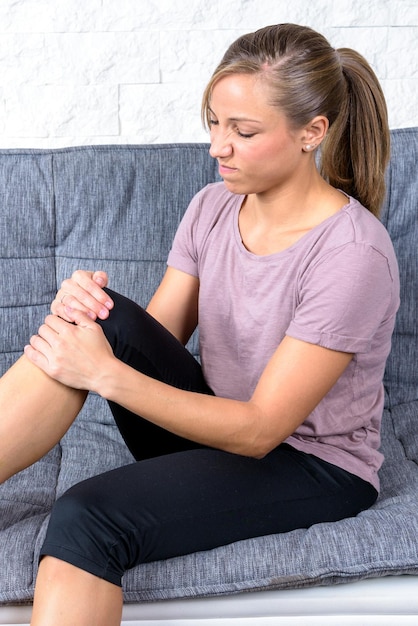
x: 180, y: 497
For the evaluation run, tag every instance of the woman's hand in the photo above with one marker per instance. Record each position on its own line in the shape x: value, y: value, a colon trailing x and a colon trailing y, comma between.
x: 83, y: 292
x: 73, y: 354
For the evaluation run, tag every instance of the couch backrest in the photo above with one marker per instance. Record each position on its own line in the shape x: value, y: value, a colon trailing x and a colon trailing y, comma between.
x: 110, y: 207
x: 117, y: 208
x: 400, y: 216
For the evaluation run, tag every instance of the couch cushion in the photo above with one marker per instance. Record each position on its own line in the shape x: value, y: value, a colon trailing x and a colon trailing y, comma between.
x: 378, y: 542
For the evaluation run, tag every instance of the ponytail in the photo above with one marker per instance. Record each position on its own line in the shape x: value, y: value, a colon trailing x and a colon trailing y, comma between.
x: 356, y: 150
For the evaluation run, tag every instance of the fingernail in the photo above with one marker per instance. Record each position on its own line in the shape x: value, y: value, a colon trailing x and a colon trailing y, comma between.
x: 103, y: 313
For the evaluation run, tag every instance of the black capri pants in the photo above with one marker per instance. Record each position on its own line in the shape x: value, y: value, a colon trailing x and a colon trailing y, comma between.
x: 180, y: 497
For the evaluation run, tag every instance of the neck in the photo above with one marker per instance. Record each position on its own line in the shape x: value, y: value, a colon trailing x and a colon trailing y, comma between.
x: 270, y: 222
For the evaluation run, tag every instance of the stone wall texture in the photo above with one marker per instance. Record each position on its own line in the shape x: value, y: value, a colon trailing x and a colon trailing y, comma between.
x: 76, y: 72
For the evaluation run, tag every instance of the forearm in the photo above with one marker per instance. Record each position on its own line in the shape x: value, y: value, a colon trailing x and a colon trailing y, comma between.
x: 229, y: 425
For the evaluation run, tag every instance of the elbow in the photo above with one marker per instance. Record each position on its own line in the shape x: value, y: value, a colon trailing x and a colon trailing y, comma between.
x: 263, y: 454
x: 256, y: 434
x: 262, y: 434
x: 257, y: 448
x: 259, y: 452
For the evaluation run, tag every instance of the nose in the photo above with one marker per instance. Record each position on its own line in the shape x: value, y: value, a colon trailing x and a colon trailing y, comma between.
x: 220, y: 144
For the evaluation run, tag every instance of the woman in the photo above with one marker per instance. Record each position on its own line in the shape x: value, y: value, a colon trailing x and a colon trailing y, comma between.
x: 294, y: 286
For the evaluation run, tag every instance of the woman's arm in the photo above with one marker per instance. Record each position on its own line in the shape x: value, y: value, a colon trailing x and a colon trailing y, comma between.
x: 175, y: 303
x: 294, y: 381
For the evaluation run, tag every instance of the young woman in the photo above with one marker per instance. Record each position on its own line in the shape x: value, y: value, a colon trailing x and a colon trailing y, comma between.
x: 293, y: 283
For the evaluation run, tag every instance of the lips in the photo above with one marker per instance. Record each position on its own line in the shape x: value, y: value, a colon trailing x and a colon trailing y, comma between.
x: 226, y: 169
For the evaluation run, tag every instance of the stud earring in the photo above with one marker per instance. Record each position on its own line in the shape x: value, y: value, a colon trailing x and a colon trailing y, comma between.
x: 309, y: 147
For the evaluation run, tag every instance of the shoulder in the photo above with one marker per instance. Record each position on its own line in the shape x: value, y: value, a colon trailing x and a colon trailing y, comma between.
x: 351, y: 251
x: 358, y: 225
x: 214, y: 193
x: 212, y: 204
x: 355, y: 231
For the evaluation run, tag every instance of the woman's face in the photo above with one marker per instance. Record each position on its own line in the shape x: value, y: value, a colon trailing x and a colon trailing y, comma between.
x: 256, y: 150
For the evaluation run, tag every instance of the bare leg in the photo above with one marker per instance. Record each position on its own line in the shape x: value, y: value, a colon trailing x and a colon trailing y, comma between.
x: 69, y: 596
x: 35, y: 412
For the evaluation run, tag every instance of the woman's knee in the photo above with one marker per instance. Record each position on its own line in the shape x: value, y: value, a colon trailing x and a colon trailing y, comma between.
x: 75, y: 517
x: 134, y: 334
x: 82, y: 531
x: 124, y: 322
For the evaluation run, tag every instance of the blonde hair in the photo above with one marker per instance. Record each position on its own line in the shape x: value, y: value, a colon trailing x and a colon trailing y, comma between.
x: 307, y: 78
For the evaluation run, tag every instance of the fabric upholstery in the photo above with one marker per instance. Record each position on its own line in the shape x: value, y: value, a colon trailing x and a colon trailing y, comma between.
x: 116, y: 208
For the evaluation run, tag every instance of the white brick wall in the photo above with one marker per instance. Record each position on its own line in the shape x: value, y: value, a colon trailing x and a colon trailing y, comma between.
x: 75, y: 72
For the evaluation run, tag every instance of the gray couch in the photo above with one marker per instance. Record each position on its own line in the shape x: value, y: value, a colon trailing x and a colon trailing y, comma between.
x: 116, y: 208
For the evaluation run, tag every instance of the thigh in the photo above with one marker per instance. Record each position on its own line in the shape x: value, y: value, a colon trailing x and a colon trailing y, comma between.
x: 143, y: 343
x: 197, y: 500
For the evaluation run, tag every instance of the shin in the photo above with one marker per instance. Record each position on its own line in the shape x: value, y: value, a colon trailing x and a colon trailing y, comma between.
x: 35, y: 412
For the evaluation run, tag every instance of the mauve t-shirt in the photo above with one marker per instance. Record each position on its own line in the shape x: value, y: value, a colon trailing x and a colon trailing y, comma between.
x: 337, y: 287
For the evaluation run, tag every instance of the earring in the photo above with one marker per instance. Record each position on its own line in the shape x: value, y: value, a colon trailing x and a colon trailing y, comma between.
x: 308, y: 147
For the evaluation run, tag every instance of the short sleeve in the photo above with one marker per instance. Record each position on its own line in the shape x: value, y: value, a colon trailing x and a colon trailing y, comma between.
x: 343, y: 298
x: 183, y: 254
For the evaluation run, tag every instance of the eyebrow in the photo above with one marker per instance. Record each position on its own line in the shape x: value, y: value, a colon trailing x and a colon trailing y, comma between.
x: 243, y: 119
x: 237, y: 119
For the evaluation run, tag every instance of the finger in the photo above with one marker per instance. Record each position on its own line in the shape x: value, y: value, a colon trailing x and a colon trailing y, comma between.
x: 89, y: 288
x: 35, y: 357
x: 92, y: 283
x: 56, y: 324
x: 100, y: 278
x: 62, y: 327
x: 79, y: 318
x: 58, y: 306
x: 65, y: 296
x: 65, y: 303
x: 40, y: 342
x: 83, y: 293
x: 39, y: 347
x: 48, y: 334
x: 41, y: 351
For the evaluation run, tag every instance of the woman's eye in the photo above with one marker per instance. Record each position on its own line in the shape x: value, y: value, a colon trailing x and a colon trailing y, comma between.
x: 213, y: 122
x: 245, y: 135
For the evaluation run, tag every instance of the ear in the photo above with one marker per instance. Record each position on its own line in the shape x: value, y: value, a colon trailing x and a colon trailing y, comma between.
x: 314, y: 133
